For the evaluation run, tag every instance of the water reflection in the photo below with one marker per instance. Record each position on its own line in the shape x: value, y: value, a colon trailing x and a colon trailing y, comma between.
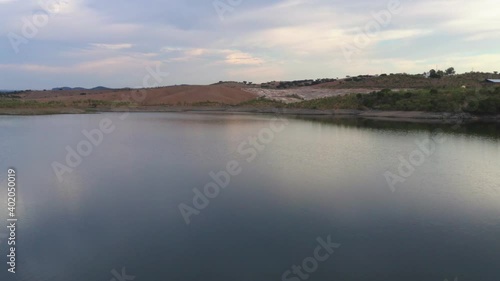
x: 319, y: 177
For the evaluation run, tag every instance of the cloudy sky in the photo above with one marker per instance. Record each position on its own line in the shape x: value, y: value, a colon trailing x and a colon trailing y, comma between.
x: 51, y: 43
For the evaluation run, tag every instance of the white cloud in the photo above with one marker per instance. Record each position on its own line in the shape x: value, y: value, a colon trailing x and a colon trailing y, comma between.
x: 286, y: 40
x: 103, y: 66
x: 112, y: 46
x: 243, y: 59
x: 195, y: 52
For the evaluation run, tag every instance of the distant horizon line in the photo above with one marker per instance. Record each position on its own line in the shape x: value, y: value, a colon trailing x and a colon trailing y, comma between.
x: 230, y: 81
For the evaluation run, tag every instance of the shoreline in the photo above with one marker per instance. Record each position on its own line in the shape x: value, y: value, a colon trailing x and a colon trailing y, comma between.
x: 414, y: 116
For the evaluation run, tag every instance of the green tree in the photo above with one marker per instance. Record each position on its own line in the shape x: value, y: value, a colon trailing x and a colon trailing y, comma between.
x: 450, y: 71
x: 433, y: 74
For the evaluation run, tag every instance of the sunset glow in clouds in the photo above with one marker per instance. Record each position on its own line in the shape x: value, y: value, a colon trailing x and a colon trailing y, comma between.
x: 89, y: 42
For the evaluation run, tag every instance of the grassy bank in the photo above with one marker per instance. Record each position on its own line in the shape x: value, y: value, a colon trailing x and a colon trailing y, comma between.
x: 481, y: 102
x: 485, y: 101
x: 8, y: 102
x: 17, y: 103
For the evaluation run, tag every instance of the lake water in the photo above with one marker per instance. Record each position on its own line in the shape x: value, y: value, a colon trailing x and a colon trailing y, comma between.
x: 294, y: 186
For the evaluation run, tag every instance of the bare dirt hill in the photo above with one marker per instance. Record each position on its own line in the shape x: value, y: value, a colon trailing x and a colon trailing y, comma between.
x: 173, y: 95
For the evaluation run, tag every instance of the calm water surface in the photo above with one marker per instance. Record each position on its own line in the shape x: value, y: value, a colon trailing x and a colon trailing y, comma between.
x: 119, y: 209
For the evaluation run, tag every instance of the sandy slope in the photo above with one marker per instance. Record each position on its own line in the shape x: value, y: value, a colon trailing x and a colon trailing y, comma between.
x: 173, y: 95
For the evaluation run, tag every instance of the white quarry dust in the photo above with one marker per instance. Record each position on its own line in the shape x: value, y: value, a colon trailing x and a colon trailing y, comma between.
x: 305, y: 93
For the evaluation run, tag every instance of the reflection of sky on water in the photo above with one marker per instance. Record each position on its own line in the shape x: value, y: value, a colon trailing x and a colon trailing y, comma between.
x: 119, y: 208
